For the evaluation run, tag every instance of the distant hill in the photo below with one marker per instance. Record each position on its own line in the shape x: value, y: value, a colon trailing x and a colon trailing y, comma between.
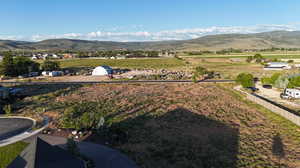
x: 284, y: 39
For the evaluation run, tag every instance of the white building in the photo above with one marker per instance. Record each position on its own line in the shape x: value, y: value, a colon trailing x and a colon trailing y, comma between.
x: 102, y: 71
x: 56, y: 73
x: 277, y: 66
x: 34, y: 57
x: 55, y: 56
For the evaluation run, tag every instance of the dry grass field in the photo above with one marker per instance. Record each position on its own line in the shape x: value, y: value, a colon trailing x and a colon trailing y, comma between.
x: 180, y: 125
x: 229, y: 69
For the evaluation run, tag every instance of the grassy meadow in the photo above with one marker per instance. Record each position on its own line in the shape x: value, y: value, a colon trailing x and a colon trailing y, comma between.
x: 10, y: 152
x: 155, y: 63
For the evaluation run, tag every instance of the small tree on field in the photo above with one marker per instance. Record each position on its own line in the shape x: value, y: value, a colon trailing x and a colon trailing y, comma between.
x: 282, y: 82
x: 249, y: 59
x: 50, y: 65
x: 258, y: 58
x: 200, y: 72
x: 266, y: 80
x: 24, y: 65
x: 246, y: 80
x: 274, y: 77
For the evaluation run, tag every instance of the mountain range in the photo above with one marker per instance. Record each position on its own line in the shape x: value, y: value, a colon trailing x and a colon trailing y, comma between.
x: 278, y: 39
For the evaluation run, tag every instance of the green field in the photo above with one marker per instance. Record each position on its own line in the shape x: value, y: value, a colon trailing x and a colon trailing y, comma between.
x: 10, y: 152
x: 227, y: 69
x: 167, y: 63
x: 266, y: 55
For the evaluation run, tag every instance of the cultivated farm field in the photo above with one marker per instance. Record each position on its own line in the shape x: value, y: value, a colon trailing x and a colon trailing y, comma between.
x: 154, y: 63
x: 179, y: 125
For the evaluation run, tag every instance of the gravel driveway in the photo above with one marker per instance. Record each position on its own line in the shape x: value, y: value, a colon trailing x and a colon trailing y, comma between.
x: 274, y: 95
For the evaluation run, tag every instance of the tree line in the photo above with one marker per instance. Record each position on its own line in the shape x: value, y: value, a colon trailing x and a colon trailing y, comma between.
x: 20, y: 65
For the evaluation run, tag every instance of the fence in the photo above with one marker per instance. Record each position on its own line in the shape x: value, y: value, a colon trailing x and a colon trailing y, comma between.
x: 274, y: 107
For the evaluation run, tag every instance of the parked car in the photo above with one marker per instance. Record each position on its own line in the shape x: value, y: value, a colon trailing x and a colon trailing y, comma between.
x: 267, y: 86
x: 284, y: 96
x: 33, y: 74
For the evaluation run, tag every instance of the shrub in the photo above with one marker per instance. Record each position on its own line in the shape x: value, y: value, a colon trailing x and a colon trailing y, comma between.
x: 274, y: 77
x: 86, y: 115
x: 249, y: 59
x: 7, y: 109
x: 282, y: 82
x: 290, y: 61
x: 50, y: 65
x: 246, y: 80
x: 258, y: 58
x: 294, y: 82
x: 200, y: 72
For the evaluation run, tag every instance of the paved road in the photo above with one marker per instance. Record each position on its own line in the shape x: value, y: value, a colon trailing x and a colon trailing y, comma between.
x: 10, y: 127
x: 117, y: 82
x: 102, y: 156
x: 22, y: 132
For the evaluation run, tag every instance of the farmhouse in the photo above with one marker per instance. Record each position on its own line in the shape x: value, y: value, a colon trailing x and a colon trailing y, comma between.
x: 68, y: 56
x: 102, y: 71
x: 277, y: 66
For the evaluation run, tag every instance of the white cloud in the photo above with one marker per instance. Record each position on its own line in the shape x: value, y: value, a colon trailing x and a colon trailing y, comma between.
x: 180, y: 34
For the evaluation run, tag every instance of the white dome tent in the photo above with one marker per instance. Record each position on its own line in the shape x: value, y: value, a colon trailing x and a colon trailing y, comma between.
x: 102, y: 71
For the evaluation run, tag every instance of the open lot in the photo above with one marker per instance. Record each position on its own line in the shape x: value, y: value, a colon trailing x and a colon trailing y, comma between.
x: 179, y: 125
x: 229, y: 69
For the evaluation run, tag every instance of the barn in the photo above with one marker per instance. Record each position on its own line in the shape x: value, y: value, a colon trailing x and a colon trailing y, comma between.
x: 102, y: 71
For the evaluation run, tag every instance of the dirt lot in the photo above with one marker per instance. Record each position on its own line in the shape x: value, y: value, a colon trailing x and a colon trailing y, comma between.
x: 180, y: 125
x: 274, y: 95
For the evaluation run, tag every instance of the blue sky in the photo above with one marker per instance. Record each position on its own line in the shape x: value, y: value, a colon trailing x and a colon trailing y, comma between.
x: 141, y: 20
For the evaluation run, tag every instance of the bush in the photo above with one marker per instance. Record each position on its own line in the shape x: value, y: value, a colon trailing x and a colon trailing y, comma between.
x: 266, y: 81
x: 86, y: 115
x: 282, y: 82
x: 50, y: 65
x: 246, y: 80
x: 274, y: 77
x: 294, y: 82
x: 7, y: 109
x: 249, y: 59
x: 200, y: 72
x: 258, y: 58
x: 290, y: 61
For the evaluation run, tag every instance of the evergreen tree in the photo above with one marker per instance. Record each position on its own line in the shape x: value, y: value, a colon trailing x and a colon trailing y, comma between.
x: 7, y: 66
